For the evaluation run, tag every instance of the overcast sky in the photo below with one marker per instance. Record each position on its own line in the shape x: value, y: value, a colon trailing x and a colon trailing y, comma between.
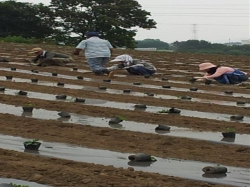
x: 216, y: 21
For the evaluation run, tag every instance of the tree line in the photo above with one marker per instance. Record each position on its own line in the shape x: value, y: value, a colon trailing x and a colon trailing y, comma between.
x: 67, y: 21
x: 195, y: 46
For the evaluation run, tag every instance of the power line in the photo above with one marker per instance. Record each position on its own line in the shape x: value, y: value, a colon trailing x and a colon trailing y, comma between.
x: 206, y: 24
x: 216, y: 5
x: 199, y: 15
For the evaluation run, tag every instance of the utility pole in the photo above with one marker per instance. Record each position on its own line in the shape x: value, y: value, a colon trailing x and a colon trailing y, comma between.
x: 194, y: 32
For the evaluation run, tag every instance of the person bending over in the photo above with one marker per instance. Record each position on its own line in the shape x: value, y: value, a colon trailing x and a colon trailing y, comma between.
x: 222, y: 74
x: 133, y: 66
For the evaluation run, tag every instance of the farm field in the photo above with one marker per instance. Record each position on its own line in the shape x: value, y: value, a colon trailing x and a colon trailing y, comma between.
x: 86, y: 150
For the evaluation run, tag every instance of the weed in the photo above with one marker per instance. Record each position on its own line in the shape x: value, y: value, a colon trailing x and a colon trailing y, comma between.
x: 17, y: 185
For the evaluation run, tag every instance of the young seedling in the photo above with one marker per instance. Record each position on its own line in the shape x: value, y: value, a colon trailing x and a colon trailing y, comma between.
x: 28, y: 108
x: 18, y: 185
x: 164, y: 111
x: 228, y: 133
x: 229, y: 129
x: 122, y: 118
x: 54, y: 73
x: 32, y: 144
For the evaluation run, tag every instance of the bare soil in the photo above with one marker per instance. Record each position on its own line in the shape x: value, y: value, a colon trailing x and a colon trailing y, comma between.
x: 58, y: 172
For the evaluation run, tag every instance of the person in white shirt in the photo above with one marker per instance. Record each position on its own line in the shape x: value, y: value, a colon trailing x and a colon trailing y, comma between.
x: 133, y: 66
x: 97, y: 52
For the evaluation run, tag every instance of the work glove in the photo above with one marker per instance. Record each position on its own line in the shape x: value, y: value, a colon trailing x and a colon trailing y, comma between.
x: 120, y: 66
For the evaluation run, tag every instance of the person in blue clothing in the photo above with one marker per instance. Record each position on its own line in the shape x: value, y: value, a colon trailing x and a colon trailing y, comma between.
x: 133, y: 66
x: 97, y: 52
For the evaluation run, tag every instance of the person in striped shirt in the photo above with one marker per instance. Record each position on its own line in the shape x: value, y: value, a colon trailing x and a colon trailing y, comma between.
x: 97, y: 52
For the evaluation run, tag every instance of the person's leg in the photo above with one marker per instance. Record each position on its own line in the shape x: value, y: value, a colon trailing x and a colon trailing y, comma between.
x: 236, y: 79
x: 95, y: 64
x: 104, y: 61
x: 132, y: 71
x: 143, y: 71
x: 59, y: 61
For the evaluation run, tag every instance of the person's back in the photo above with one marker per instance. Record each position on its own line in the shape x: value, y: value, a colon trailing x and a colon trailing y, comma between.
x: 145, y: 64
x: 97, y: 52
x: 97, y: 47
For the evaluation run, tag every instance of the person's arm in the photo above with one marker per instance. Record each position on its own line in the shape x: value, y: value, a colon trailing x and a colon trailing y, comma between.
x: 111, y: 51
x: 77, y: 51
x: 79, y: 47
x: 35, y: 59
x: 220, y: 71
x: 111, y: 68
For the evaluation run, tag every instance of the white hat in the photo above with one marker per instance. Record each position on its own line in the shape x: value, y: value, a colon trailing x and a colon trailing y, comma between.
x: 118, y: 59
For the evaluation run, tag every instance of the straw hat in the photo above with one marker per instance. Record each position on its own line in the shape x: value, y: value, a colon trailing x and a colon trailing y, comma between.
x: 35, y: 50
x: 206, y: 65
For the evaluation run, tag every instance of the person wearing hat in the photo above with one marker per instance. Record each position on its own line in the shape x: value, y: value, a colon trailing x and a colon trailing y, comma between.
x: 222, y: 74
x: 133, y: 66
x: 46, y: 58
x: 97, y: 52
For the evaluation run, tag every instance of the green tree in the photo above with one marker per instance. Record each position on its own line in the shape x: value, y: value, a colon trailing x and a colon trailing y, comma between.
x: 152, y: 43
x: 25, y: 20
x: 113, y: 19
